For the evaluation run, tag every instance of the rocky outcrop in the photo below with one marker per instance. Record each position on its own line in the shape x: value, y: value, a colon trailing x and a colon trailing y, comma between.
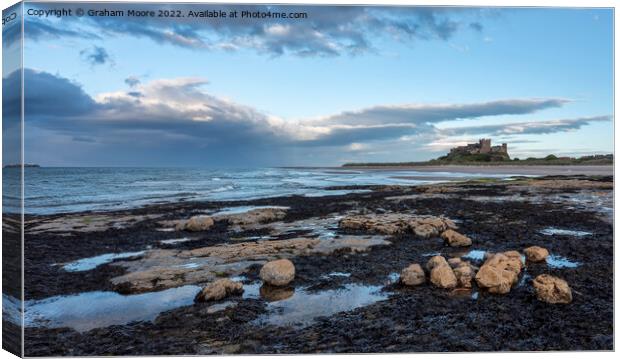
x: 280, y: 272
x: 500, y: 272
x: 218, y: 290
x: 464, y: 273
x: 455, y: 239
x: 553, y: 290
x: 536, y: 253
x: 412, y: 275
x: 398, y: 223
x: 252, y: 218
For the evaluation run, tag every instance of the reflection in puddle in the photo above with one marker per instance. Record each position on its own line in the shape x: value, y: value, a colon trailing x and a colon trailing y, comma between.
x: 93, y: 262
x: 86, y: 311
x: 554, y: 261
x: 564, y: 232
x: 302, y: 308
x: 336, y: 274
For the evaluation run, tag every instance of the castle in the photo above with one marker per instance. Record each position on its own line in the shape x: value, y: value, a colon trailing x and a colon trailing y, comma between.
x: 482, y: 147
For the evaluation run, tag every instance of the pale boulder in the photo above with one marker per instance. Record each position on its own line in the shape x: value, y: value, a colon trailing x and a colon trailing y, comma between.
x: 412, y: 275
x: 435, y: 261
x: 536, y: 253
x: 455, y: 239
x: 279, y: 272
x: 442, y: 276
x: 199, y: 223
x: 552, y: 290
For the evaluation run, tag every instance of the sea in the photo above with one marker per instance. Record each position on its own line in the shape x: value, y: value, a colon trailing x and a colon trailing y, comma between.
x: 52, y: 190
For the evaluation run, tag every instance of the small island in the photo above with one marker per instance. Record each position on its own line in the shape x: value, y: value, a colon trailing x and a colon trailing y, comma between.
x: 483, y: 153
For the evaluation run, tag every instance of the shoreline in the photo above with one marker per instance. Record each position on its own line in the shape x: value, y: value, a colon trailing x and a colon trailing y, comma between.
x: 539, y: 170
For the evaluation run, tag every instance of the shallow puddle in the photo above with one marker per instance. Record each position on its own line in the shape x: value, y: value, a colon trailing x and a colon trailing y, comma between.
x: 86, y: 311
x: 302, y: 308
x: 176, y: 240
x: 475, y: 255
x: 93, y: 262
x: 554, y: 261
x: 550, y: 231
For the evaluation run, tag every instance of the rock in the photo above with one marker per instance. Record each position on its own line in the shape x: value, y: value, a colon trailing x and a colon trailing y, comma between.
x: 500, y: 272
x: 464, y: 275
x: 455, y: 262
x: 219, y: 289
x: 278, y: 273
x: 442, y: 276
x: 435, y: 261
x: 413, y: 275
x: 455, y: 239
x: 536, y: 253
x: 552, y: 290
x: 199, y: 223
x: 274, y: 294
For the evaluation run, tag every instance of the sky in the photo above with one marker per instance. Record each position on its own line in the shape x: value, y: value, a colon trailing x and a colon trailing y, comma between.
x: 344, y: 84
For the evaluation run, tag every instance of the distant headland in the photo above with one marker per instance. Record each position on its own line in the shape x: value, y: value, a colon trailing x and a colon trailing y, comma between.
x: 18, y: 165
x: 483, y: 153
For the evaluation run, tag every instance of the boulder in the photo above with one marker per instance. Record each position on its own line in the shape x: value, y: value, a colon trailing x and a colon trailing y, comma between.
x: 464, y: 275
x: 500, y: 272
x: 425, y: 231
x: 219, y: 289
x: 278, y: 273
x: 199, y: 223
x: 455, y: 239
x: 552, y: 290
x: 413, y: 275
x: 435, y: 261
x: 536, y: 253
x: 442, y: 276
x: 455, y: 262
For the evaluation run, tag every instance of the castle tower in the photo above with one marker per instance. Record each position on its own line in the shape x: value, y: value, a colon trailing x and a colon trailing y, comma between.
x: 505, y: 148
x: 485, y: 145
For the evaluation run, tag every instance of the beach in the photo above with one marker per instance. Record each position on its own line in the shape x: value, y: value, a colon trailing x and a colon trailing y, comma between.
x: 124, y: 281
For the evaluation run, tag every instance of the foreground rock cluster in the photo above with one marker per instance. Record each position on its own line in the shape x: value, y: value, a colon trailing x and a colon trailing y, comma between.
x: 497, y: 275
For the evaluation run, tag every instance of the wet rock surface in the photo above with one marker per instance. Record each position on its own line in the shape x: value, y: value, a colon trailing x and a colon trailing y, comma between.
x: 219, y: 289
x: 408, y: 319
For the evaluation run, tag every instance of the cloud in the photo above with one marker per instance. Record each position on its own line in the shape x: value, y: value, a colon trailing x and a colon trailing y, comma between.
x: 324, y: 31
x: 95, y: 56
x: 163, y: 119
x: 529, y: 128
x: 423, y: 113
x: 132, y: 81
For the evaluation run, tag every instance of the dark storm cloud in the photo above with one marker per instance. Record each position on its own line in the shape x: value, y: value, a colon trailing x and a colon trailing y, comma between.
x: 95, y: 56
x: 327, y: 30
x: 527, y: 128
x: 179, y: 116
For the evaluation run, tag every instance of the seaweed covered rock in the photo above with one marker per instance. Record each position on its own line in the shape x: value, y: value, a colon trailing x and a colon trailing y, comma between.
x: 536, y: 253
x: 552, y: 290
x: 280, y: 272
x: 219, y: 289
x: 413, y: 275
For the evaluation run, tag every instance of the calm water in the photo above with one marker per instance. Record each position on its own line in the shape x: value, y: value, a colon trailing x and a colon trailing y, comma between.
x: 57, y: 190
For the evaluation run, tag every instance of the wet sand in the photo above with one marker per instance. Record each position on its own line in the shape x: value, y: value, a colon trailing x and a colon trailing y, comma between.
x: 122, y: 283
